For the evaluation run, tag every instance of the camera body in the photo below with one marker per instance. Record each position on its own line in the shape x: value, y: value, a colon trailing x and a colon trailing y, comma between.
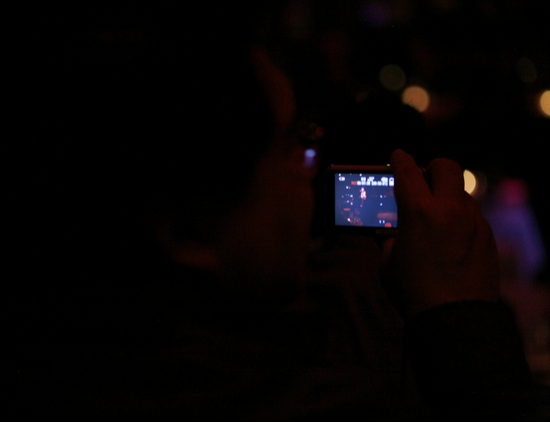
x: 360, y: 200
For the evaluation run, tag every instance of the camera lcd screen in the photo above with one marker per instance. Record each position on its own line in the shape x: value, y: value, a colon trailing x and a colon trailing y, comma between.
x: 364, y: 199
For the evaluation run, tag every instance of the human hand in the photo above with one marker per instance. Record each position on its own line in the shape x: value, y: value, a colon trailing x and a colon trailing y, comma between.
x: 445, y: 250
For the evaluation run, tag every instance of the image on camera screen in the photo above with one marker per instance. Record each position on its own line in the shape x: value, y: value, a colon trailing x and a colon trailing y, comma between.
x: 365, y: 199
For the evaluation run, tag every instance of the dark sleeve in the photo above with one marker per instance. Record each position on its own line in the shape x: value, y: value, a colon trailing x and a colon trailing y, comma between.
x: 469, y: 364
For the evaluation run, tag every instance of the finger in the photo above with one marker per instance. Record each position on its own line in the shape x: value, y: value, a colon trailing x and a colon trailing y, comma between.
x: 410, y: 184
x: 446, y: 178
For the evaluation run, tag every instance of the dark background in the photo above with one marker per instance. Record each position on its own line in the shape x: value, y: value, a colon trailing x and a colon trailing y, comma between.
x: 64, y: 62
x: 466, y: 54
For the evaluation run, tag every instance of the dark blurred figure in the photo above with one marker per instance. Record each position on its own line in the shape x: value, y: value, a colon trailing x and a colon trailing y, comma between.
x: 179, y: 281
x: 373, y: 128
x: 523, y: 258
x: 516, y: 231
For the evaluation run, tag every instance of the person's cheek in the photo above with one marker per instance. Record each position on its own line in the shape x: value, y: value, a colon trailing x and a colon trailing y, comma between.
x: 299, y: 206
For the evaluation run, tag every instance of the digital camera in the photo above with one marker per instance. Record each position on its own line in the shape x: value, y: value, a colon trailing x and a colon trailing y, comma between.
x: 360, y: 200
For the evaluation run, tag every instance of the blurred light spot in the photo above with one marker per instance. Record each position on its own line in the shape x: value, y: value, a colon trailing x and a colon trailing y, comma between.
x: 526, y: 70
x: 309, y: 157
x: 374, y: 14
x: 416, y: 97
x: 475, y: 183
x: 469, y: 182
x: 392, y: 77
x: 544, y: 103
